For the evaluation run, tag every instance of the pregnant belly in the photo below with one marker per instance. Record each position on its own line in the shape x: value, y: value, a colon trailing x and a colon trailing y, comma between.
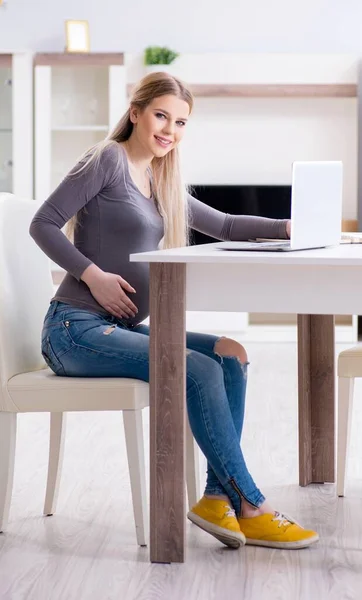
x: 139, y: 280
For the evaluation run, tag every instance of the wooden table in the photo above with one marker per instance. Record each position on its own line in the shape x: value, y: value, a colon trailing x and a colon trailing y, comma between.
x: 315, y: 284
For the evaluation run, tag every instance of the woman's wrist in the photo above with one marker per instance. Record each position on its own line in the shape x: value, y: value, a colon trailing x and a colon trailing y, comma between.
x: 90, y: 274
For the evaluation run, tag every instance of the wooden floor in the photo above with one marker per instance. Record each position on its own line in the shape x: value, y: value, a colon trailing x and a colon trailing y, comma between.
x: 88, y: 551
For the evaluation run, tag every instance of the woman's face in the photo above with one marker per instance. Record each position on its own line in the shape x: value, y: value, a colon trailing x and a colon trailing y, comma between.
x: 160, y: 127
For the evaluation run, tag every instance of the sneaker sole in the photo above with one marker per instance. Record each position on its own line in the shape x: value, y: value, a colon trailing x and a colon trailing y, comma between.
x: 233, y: 539
x: 284, y: 545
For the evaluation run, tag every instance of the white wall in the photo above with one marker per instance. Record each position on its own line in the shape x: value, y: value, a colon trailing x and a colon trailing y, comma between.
x: 255, y: 140
x: 259, y: 138
x: 189, y: 26
x: 244, y: 141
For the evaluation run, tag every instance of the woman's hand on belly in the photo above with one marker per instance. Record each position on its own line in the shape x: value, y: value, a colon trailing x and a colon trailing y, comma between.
x: 109, y: 291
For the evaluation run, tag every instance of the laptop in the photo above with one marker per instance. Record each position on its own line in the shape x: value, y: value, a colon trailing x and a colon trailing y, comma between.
x: 316, y: 210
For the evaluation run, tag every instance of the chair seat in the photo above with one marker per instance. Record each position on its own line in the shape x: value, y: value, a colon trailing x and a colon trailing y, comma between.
x: 43, y: 391
x: 350, y: 362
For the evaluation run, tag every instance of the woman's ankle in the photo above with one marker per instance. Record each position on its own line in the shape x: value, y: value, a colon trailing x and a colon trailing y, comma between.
x: 249, y: 511
x: 219, y: 497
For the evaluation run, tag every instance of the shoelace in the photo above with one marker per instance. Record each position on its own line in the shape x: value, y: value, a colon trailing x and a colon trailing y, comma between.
x: 230, y: 511
x: 284, y: 521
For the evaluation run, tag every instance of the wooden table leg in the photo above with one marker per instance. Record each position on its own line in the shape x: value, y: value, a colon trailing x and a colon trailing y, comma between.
x: 316, y: 390
x: 167, y: 411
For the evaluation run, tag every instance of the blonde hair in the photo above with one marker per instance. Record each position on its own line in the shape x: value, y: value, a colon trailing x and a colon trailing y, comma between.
x: 167, y: 184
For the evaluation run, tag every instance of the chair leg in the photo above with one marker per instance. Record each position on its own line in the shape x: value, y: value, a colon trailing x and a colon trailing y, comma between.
x: 345, y: 402
x: 56, y: 453
x: 7, y: 461
x: 192, y: 467
x: 132, y: 421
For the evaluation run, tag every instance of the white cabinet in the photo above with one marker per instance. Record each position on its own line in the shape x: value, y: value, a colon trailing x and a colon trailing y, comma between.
x: 78, y: 99
x: 16, y: 123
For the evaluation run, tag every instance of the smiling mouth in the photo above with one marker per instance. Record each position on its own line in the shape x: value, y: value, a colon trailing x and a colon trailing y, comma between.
x: 163, y: 141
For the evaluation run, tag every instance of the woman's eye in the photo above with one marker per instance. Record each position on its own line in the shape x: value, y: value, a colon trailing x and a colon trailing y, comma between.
x: 162, y: 116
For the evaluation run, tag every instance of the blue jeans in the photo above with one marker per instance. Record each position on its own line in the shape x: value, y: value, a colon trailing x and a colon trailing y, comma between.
x: 79, y: 343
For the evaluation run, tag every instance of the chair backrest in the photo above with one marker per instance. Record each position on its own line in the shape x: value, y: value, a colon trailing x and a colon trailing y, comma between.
x: 25, y: 291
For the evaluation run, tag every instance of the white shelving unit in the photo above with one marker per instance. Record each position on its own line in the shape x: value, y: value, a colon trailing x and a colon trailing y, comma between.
x: 16, y: 123
x: 78, y: 99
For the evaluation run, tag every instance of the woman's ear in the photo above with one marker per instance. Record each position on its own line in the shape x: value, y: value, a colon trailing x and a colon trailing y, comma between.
x: 133, y: 114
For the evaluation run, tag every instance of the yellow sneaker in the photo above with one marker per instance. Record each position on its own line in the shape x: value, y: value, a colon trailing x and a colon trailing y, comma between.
x: 276, y: 531
x: 219, y: 519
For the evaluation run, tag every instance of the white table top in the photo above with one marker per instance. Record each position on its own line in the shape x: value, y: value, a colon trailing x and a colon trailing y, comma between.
x: 342, y: 255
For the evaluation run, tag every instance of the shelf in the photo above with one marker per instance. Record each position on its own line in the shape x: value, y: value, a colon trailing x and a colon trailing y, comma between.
x: 78, y: 100
x: 302, y: 90
x: 16, y: 122
x: 79, y: 59
x: 81, y: 128
x: 277, y: 91
x: 6, y: 60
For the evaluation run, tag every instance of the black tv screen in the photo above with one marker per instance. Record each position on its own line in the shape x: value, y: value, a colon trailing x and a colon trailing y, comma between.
x: 273, y: 201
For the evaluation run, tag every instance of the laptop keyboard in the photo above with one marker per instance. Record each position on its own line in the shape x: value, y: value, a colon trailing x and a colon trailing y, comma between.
x: 269, y: 245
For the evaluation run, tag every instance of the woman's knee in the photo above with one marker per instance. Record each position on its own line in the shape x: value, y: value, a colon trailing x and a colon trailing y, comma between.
x: 202, y: 370
x: 228, y: 347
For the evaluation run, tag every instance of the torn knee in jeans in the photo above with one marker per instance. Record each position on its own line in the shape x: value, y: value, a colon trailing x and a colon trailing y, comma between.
x: 228, y: 348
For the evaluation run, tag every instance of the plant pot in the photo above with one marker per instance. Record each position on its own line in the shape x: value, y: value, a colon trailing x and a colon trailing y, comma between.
x: 157, y: 68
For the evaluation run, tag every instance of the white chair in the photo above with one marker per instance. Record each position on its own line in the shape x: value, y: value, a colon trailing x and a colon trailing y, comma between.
x: 349, y: 367
x: 26, y: 385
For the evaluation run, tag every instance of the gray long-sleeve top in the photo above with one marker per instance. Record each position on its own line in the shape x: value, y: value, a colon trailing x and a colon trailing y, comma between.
x: 116, y: 220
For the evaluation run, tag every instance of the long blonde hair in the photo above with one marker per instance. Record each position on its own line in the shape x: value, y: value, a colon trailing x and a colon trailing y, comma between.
x: 167, y: 184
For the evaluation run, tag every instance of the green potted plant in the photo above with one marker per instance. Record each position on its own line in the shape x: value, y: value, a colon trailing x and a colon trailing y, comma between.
x: 157, y: 58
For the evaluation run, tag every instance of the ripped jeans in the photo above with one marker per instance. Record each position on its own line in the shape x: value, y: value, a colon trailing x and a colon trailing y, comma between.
x: 78, y: 343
